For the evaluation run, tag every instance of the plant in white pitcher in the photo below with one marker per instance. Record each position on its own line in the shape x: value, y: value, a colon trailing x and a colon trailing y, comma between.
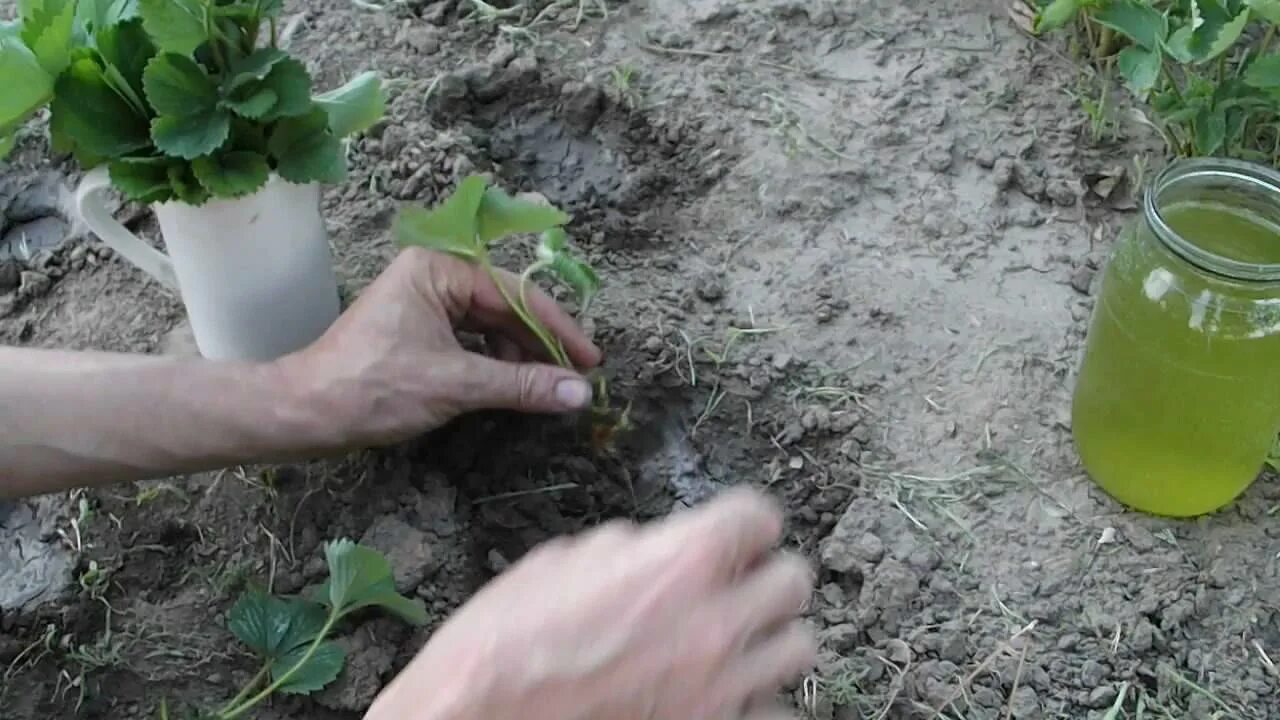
x: 193, y: 107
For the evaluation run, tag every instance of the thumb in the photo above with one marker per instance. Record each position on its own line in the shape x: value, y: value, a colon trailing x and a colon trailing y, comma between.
x: 525, y: 387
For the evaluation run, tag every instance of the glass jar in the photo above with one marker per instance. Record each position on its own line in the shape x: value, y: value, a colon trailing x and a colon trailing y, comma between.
x: 1177, y: 401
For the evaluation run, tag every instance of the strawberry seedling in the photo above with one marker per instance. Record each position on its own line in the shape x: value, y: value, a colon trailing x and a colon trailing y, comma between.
x: 475, y: 217
x: 291, y: 635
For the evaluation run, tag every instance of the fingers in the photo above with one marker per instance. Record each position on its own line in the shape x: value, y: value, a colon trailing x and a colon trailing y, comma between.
x: 492, y: 384
x: 773, y: 663
x: 490, y: 307
x: 767, y: 598
x: 725, y: 537
x: 505, y: 349
x: 472, y: 301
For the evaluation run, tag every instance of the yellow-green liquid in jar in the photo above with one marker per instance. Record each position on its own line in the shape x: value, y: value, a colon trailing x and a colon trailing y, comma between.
x: 1176, y: 403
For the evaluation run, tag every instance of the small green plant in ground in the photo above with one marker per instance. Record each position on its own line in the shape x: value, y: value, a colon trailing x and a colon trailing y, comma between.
x: 291, y: 635
x: 475, y: 217
x: 1206, y: 69
x: 182, y: 100
x: 623, y: 79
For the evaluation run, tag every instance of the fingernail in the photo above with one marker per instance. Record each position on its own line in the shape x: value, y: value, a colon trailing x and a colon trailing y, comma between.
x: 573, y: 394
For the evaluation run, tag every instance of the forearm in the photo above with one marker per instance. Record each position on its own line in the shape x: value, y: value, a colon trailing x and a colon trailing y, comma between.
x: 71, y: 419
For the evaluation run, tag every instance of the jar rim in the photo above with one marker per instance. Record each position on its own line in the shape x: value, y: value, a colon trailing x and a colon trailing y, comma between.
x: 1256, y: 176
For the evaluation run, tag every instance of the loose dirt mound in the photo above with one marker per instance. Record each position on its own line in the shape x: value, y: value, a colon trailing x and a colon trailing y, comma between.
x: 848, y: 257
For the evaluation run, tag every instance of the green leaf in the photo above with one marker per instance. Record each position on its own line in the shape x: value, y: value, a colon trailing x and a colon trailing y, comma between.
x: 1140, y: 69
x: 1264, y: 72
x: 51, y: 40
x: 273, y: 626
x: 291, y: 83
x: 451, y: 227
x: 97, y: 15
x: 255, y: 66
x: 270, y: 8
x: 1056, y: 15
x: 27, y: 87
x: 1211, y: 131
x: 186, y: 186
x: 354, y: 572
x: 176, y: 26
x: 1179, y: 44
x: 1228, y: 35
x: 417, y: 227
x: 1236, y: 122
x: 308, y: 621
x: 319, y: 670
x: 260, y: 621
x: 236, y: 10
x: 1137, y: 21
x: 90, y: 113
x: 579, y: 276
x: 501, y: 215
x: 409, y: 610
x: 553, y: 250
x: 144, y: 180
x: 27, y: 10
x: 232, y: 174
x: 361, y: 577
x: 1266, y: 9
x: 94, y: 15
x: 305, y: 151
x: 36, y: 16
x: 1211, y: 31
x: 126, y: 49
x: 356, y: 106
x: 552, y: 243
x: 253, y: 106
x: 191, y: 136
x: 178, y: 86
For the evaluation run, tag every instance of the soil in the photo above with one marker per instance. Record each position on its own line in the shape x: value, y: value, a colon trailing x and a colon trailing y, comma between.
x: 848, y: 249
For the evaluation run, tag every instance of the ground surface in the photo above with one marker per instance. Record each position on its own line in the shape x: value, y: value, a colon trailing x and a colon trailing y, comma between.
x: 885, y: 194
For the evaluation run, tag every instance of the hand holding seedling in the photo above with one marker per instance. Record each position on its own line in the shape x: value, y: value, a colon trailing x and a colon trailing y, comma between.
x: 694, y: 618
x: 393, y: 367
x: 477, y: 216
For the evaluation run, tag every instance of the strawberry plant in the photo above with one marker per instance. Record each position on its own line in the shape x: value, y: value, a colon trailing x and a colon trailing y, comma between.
x: 291, y: 635
x: 478, y: 215
x: 182, y: 99
x: 1206, y: 69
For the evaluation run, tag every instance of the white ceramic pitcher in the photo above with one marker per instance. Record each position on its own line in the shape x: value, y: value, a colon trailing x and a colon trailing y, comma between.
x: 255, y: 273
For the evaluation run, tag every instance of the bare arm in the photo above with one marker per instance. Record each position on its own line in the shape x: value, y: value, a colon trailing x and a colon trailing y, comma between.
x: 390, y: 368
x: 75, y: 418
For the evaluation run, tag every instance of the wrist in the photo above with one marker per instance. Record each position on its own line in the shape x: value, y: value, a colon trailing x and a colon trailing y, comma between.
x: 309, y: 415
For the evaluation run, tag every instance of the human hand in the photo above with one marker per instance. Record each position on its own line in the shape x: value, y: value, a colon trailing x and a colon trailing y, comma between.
x: 391, y: 367
x: 692, y: 618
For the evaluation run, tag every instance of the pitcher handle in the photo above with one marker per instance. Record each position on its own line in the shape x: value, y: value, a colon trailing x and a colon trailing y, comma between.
x: 93, y: 211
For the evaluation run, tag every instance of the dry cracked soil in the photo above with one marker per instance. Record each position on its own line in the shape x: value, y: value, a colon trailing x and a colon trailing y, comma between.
x: 848, y: 249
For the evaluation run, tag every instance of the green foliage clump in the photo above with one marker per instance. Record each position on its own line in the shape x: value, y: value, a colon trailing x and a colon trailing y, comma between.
x: 182, y: 99
x: 1206, y: 69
